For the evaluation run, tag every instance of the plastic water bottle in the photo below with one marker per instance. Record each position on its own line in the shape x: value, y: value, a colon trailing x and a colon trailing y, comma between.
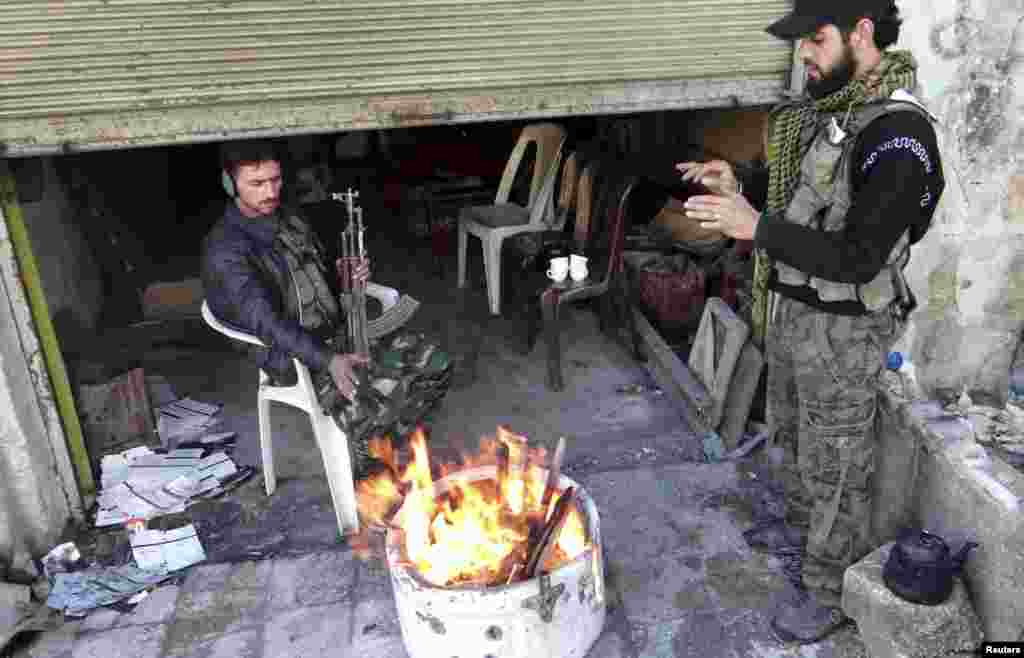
x: 908, y: 376
x: 1017, y: 384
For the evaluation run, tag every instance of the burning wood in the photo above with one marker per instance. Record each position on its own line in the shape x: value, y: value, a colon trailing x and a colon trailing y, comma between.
x: 552, y: 528
x: 490, y: 531
x: 554, y: 472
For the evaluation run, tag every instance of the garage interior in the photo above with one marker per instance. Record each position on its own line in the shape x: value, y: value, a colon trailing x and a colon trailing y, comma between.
x: 120, y: 268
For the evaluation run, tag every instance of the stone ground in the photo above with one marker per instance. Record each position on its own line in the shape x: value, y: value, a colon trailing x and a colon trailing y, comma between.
x: 279, y: 583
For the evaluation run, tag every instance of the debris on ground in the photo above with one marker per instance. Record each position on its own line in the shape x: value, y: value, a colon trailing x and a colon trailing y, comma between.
x: 140, y: 483
x: 995, y: 428
x: 62, y: 559
x: 639, y: 389
x: 185, y: 419
x: 167, y: 550
x: 78, y: 592
x: 76, y: 588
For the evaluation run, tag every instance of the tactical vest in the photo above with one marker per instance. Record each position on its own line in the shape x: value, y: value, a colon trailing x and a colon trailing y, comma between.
x: 307, y: 296
x: 823, y: 196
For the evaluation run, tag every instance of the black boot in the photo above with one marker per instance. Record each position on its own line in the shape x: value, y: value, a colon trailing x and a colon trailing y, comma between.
x: 775, y: 536
x: 808, y: 620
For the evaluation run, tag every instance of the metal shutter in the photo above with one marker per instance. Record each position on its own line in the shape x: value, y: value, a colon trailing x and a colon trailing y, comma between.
x: 88, y: 74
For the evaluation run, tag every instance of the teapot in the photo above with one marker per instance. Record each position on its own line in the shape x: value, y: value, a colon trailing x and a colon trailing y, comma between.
x: 920, y: 568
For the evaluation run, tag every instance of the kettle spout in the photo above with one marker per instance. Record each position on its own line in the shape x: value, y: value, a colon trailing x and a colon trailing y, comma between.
x: 961, y: 555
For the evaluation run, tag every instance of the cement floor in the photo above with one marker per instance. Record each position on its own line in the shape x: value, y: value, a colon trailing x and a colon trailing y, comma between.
x: 681, y: 580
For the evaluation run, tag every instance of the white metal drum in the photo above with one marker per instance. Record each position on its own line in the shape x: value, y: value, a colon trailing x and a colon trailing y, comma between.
x: 559, y: 614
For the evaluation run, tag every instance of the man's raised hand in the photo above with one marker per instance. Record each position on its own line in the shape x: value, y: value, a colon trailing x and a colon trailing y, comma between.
x: 716, y: 175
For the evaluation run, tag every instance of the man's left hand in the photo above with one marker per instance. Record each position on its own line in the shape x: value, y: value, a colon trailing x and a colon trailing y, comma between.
x: 731, y: 214
x: 361, y: 272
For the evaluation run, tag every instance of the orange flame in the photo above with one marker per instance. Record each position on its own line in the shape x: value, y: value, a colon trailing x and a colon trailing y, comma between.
x: 476, y: 532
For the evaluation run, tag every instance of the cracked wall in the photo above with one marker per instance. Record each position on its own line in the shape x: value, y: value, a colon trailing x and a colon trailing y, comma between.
x: 968, y: 272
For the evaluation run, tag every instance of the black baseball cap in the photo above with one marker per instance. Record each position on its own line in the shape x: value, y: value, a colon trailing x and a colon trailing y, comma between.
x: 809, y: 15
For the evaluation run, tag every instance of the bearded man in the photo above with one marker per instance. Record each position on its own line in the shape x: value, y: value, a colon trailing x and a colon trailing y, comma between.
x: 852, y: 180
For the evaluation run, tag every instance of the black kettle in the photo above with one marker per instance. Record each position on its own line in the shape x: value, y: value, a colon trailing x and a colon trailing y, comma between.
x: 920, y: 568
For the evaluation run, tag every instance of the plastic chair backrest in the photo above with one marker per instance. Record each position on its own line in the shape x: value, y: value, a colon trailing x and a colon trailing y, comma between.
x: 618, y: 228
x: 228, y: 330
x: 542, y: 208
x: 608, y: 223
x: 565, y: 202
x: 549, y: 138
x: 570, y: 179
x: 584, y: 205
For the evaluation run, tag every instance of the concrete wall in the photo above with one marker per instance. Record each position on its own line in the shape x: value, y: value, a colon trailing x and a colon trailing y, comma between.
x: 68, y: 269
x: 38, y: 492
x: 34, y: 508
x: 968, y: 273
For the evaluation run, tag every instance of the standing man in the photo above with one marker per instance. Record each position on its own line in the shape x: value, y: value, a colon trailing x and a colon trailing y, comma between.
x: 264, y: 270
x: 852, y: 180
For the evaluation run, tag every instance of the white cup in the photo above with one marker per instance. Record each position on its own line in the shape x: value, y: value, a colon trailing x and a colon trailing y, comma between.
x: 559, y: 269
x: 578, y: 267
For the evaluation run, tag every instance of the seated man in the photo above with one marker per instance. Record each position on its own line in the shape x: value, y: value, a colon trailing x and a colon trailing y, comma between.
x: 263, y: 270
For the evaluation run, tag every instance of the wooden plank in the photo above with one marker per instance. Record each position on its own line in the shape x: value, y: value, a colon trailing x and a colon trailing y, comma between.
x: 740, y: 398
x: 674, y: 378
x: 715, y: 353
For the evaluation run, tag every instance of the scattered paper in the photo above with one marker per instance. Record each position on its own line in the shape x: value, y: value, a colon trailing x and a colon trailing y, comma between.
x: 94, y: 588
x: 142, y: 484
x: 60, y: 559
x: 185, y: 419
x: 169, y: 550
x: 218, y: 439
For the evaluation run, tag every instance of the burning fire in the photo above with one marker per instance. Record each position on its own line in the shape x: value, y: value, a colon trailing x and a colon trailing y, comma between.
x: 482, y: 532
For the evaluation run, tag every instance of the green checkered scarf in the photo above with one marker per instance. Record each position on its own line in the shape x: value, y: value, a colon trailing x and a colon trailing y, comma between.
x: 897, y: 70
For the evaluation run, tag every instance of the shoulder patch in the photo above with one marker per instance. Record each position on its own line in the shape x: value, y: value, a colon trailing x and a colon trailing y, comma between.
x: 910, y: 144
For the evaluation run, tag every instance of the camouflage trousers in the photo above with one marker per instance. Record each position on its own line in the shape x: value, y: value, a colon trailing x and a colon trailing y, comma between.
x: 407, y: 378
x: 824, y: 372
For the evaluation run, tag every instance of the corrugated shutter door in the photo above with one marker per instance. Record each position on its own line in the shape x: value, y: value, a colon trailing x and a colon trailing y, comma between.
x: 89, y: 73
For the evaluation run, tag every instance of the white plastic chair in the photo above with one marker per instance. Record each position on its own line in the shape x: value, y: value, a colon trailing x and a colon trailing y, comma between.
x: 332, y: 441
x: 502, y: 219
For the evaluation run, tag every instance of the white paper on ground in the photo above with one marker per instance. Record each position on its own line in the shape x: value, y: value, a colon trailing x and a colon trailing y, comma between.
x: 157, y: 485
x: 115, y: 468
x: 185, y: 419
x: 92, y: 588
x: 170, y: 550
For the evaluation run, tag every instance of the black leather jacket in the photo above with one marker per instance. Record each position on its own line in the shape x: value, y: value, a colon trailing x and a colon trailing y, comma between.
x: 242, y: 291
